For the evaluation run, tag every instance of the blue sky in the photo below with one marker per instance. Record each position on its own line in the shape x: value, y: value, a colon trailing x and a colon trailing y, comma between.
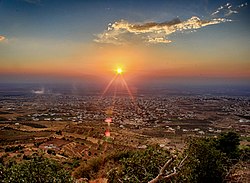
x: 64, y: 37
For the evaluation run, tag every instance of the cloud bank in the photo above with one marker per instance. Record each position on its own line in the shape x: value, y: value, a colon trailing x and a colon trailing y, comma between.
x: 123, y: 32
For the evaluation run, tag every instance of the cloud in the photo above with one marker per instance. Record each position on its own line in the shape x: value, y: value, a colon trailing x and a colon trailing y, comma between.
x: 2, y: 38
x: 228, y: 9
x: 33, y: 1
x: 42, y: 91
x: 242, y: 5
x: 122, y: 32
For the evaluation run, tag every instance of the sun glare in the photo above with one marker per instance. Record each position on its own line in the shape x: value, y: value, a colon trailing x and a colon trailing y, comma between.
x: 119, y: 71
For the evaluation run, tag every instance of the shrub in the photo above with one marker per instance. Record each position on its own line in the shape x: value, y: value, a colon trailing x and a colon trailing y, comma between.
x: 59, y: 132
x: 205, y: 163
x: 89, y: 169
x: 51, y: 151
x: 38, y: 170
x: 13, y: 148
x: 245, y: 154
x: 229, y: 143
x: 139, y: 166
x: 37, y: 144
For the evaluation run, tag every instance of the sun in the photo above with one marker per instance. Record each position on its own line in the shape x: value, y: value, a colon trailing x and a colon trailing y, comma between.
x: 119, y: 70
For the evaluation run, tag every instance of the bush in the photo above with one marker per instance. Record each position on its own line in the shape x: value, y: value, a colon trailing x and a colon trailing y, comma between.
x: 37, y: 144
x: 139, y: 166
x: 59, y: 132
x: 51, y: 151
x: 92, y: 168
x: 245, y: 154
x: 2, y: 170
x: 13, y: 148
x: 75, y: 163
x: 229, y: 143
x: 27, y: 157
x: 37, y: 170
x: 205, y: 163
x: 89, y: 170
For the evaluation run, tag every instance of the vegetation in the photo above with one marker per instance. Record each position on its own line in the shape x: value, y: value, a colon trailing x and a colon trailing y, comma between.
x: 229, y: 143
x: 205, y: 163
x: 13, y: 148
x: 38, y: 170
x: 245, y: 153
x: 126, y: 166
x: 94, y: 167
x: 210, y: 159
x: 59, y: 132
x: 3, y: 118
x: 34, y: 125
x: 37, y: 144
x: 140, y: 166
x: 51, y: 151
x: 206, y: 160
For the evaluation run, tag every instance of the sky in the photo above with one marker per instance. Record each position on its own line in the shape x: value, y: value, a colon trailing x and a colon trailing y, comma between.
x: 151, y: 40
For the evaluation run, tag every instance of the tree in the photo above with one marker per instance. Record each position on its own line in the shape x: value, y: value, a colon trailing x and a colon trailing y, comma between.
x: 168, y: 175
x: 229, y: 143
x: 205, y: 163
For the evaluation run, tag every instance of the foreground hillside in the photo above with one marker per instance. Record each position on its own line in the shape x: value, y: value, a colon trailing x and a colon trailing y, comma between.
x: 220, y: 159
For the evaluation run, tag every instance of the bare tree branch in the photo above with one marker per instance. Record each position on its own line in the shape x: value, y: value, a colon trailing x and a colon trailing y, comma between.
x: 163, y: 169
x: 182, y: 162
x: 163, y: 174
x: 167, y: 177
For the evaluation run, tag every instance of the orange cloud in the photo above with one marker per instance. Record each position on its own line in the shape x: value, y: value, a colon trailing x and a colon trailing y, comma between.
x: 122, y: 31
x: 2, y: 38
